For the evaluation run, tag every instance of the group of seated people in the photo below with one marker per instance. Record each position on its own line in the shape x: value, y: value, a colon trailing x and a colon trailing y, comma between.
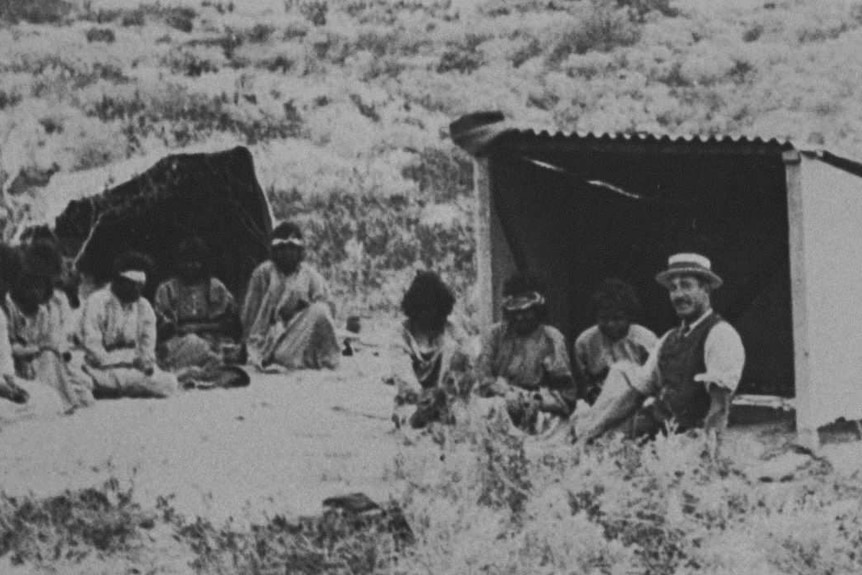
x: 194, y: 334
x: 628, y: 380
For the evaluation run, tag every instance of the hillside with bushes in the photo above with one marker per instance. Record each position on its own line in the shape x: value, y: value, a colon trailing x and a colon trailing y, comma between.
x: 346, y: 103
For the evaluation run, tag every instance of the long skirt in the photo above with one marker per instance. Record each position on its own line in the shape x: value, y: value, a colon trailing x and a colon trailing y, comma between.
x: 309, y: 341
x: 202, y: 363
x: 115, y: 382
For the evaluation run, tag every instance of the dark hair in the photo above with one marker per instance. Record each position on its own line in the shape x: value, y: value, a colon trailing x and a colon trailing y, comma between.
x: 26, y: 282
x: 286, y: 230
x: 521, y: 283
x: 132, y: 260
x: 42, y: 258
x: 195, y: 249
x: 11, y: 265
x: 40, y: 233
x: 614, y: 294
x: 428, y: 290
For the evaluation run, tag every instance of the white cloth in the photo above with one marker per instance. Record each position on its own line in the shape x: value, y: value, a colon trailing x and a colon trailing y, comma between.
x: 595, y: 353
x: 723, y: 356
x: 7, y: 362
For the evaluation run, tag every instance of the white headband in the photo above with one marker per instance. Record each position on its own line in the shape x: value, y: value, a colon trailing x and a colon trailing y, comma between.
x: 136, y: 276
x: 291, y: 241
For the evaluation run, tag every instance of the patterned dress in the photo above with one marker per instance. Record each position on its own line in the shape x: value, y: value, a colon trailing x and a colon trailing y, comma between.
x: 530, y: 368
x: 202, y: 315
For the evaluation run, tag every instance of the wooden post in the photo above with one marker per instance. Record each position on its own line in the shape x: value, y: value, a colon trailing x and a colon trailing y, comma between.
x: 482, y: 231
x: 806, y: 429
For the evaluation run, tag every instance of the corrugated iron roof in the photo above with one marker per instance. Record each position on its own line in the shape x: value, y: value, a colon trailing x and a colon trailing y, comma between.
x: 477, y: 133
x: 647, y: 137
x: 518, y: 137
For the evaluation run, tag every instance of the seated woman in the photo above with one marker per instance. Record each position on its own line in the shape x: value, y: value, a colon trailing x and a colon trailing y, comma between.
x: 198, y: 323
x: 426, y: 347
x: 524, y: 360
x: 118, y: 333
x: 287, y: 313
x: 40, y: 326
x: 19, y: 399
x: 614, y: 338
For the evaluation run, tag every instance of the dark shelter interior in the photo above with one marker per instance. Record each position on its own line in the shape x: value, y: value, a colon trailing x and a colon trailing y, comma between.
x: 215, y: 196
x: 575, y: 210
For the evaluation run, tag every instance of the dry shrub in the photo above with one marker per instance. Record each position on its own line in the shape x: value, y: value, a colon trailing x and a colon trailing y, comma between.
x: 35, y: 11
x: 70, y: 526
x: 105, y: 35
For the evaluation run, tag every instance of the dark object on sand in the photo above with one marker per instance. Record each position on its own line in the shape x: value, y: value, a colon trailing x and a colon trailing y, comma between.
x: 357, y: 512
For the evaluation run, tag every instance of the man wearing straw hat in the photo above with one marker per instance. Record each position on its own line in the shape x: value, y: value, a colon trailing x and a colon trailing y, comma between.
x: 692, y: 373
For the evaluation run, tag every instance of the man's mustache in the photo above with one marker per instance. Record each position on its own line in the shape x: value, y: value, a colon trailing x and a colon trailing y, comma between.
x: 679, y: 300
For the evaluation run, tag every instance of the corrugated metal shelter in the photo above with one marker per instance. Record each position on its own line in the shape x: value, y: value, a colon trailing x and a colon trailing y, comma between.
x: 782, y: 225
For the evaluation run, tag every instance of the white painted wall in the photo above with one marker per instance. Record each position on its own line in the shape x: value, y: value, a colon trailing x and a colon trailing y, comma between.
x: 828, y: 294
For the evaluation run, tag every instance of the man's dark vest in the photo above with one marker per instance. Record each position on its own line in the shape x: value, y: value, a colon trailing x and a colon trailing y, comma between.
x: 680, y: 359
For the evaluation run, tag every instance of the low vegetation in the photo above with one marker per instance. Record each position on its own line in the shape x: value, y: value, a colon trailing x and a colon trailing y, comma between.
x: 346, y: 103
x: 483, y: 501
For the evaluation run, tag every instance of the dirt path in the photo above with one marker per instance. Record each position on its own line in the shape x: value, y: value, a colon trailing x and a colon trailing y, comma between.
x: 278, y: 446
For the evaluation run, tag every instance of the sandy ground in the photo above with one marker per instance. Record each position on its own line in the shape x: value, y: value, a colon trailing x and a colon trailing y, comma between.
x: 280, y: 445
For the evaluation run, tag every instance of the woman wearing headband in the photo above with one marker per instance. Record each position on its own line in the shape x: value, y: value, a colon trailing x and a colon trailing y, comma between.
x: 119, y: 335
x: 287, y: 314
x: 524, y: 360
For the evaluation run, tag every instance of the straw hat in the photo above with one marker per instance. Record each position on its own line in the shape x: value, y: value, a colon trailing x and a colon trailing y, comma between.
x: 689, y: 264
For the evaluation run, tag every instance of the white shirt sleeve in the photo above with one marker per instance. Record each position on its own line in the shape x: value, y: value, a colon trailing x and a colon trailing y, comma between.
x: 724, y: 357
x: 7, y: 364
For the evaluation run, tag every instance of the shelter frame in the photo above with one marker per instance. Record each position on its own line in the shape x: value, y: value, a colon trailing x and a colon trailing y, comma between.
x: 822, y: 247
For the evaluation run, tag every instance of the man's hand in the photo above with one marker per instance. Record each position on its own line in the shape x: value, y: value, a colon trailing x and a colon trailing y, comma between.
x: 719, y: 408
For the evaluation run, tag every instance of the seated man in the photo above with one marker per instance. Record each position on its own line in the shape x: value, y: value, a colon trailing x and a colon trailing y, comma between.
x: 691, y: 374
x: 287, y: 314
x: 614, y: 338
x: 118, y: 333
x: 524, y: 360
x: 40, y: 326
x: 424, y: 347
x: 198, y: 321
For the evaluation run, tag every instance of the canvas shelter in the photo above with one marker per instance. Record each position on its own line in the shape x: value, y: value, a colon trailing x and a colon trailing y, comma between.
x: 782, y: 226
x: 213, y: 195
